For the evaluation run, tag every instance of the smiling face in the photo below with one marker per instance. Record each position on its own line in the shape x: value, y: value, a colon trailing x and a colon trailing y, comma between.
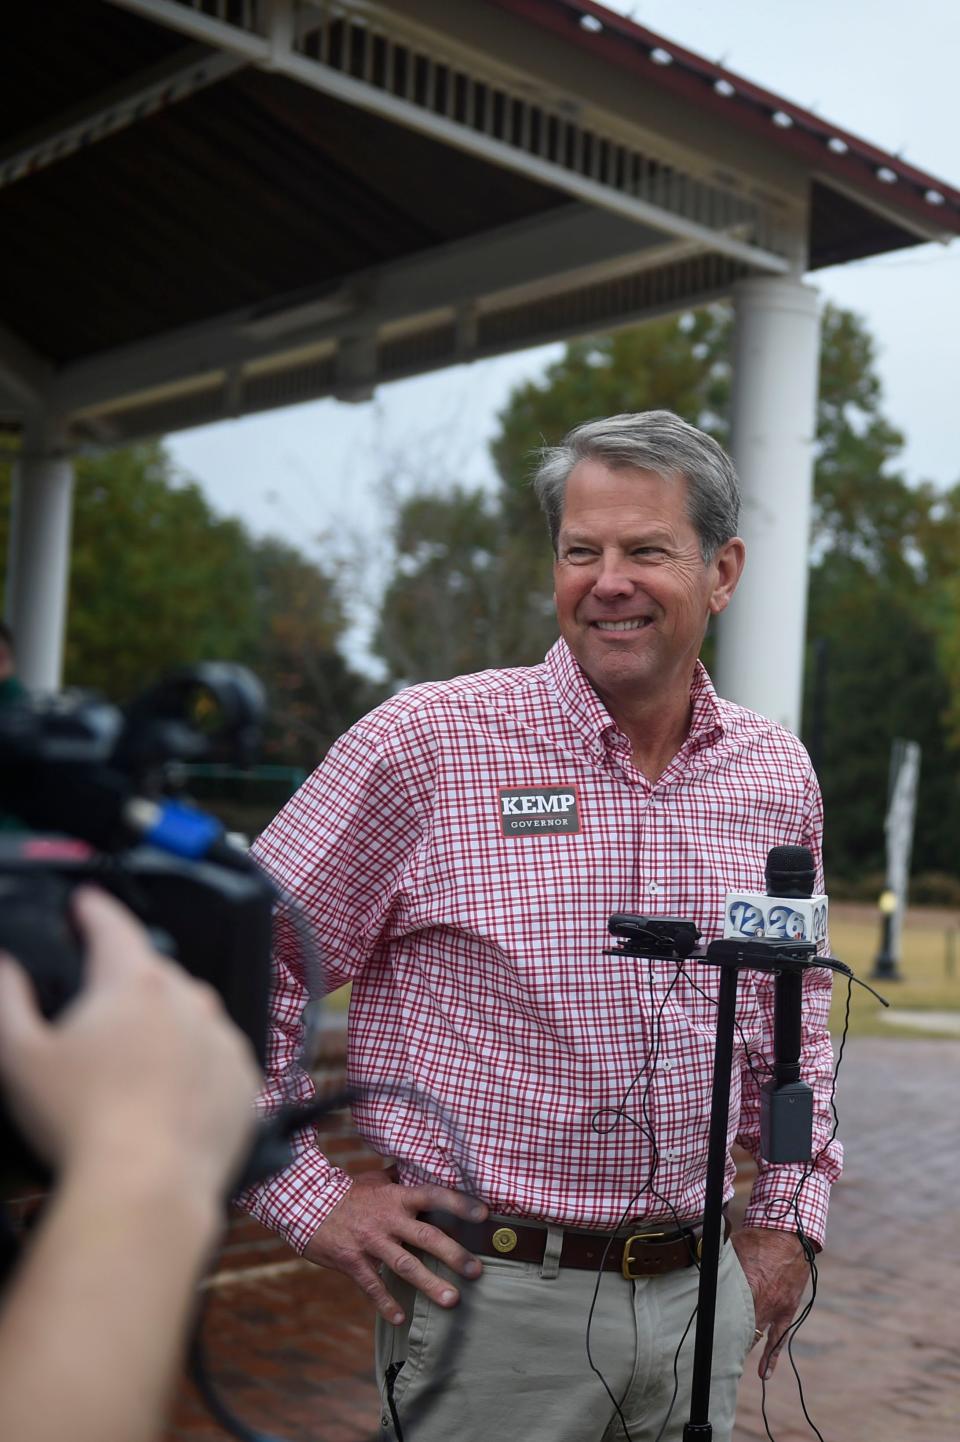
x: 632, y: 590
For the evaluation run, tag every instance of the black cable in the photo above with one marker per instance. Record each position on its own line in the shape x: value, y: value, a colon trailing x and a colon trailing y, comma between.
x: 791, y: 1331
x: 748, y: 1054
x: 814, y: 1274
x: 648, y: 1131
x: 197, y: 1365
x: 389, y: 1382
x: 291, y: 1117
x: 648, y: 1066
x: 645, y: 1125
x: 694, y: 1258
x: 676, y: 1374
x: 290, y: 909
x: 831, y: 964
x: 811, y: 1166
x: 199, y: 1373
x: 643, y: 1108
x: 289, y: 1121
x: 301, y: 1115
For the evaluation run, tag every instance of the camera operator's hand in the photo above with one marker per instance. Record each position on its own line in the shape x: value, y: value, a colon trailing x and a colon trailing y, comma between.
x: 376, y: 1222
x: 140, y: 1094
x: 144, y: 1049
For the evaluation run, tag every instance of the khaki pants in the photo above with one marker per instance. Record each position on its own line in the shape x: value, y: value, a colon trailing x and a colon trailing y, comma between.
x: 509, y: 1364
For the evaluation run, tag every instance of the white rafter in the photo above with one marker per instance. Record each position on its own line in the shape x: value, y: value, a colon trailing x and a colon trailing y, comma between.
x: 593, y: 162
x: 570, y: 248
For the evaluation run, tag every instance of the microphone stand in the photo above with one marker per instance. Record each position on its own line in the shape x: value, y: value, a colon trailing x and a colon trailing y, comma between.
x: 699, y: 1426
x: 670, y: 939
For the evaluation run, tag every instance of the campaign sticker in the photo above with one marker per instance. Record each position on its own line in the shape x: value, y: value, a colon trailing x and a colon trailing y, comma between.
x: 539, y: 810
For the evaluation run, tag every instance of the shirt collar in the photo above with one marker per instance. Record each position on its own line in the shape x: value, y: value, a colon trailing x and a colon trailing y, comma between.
x: 581, y: 704
x: 587, y: 712
x: 706, y: 720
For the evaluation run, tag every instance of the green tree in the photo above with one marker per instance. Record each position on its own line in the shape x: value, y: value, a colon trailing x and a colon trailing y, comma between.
x: 159, y: 580
x: 483, y: 563
x: 863, y: 506
x: 939, y: 544
x: 881, y: 549
x: 886, y: 555
x: 679, y: 364
x: 881, y: 680
x: 440, y: 608
x: 156, y: 579
x: 313, y: 694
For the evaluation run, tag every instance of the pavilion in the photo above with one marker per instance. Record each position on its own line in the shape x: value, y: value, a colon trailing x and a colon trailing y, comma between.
x: 215, y: 207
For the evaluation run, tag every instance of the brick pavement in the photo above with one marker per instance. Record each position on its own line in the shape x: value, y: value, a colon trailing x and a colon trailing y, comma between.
x: 879, y: 1355
x: 291, y: 1344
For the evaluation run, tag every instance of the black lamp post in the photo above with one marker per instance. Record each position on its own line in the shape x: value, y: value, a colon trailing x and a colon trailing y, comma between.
x: 886, y: 966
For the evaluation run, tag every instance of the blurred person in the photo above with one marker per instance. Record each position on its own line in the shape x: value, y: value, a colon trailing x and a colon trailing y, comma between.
x: 12, y: 690
x: 11, y: 687
x: 139, y: 1096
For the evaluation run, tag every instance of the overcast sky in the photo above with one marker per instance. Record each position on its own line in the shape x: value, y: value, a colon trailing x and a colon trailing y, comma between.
x: 881, y: 69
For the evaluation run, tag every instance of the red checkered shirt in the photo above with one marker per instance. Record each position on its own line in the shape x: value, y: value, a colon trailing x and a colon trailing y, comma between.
x: 503, y: 1039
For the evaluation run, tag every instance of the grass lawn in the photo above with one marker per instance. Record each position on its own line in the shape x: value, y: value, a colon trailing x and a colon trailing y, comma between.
x: 926, y: 986
x: 338, y: 1000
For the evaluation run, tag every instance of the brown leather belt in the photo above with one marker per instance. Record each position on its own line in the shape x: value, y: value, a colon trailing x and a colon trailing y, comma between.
x: 647, y: 1252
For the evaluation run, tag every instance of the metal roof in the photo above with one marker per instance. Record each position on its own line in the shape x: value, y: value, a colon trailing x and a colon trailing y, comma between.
x: 203, y: 216
x: 826, y: 147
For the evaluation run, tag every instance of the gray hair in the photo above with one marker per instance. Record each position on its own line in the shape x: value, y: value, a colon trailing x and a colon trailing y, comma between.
x: 656, y: 441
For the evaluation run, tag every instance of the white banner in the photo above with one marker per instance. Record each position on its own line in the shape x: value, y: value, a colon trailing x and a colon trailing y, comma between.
x: 901, y: 813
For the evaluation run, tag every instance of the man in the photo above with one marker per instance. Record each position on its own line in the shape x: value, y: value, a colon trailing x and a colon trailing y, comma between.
x: 460, y: 851
x: 140, y: 1096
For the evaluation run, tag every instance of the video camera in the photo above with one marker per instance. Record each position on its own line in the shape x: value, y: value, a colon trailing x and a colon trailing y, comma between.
x: 98, y: 788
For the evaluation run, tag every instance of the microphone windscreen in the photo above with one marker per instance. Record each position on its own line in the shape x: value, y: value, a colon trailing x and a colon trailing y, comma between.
x: 790, y: 871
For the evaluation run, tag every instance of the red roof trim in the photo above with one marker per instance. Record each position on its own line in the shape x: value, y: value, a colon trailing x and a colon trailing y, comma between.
x: 624, y: 43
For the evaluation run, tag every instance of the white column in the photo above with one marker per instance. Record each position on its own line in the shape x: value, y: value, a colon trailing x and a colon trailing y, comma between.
x: 760, y: 637
x: 38, y: 570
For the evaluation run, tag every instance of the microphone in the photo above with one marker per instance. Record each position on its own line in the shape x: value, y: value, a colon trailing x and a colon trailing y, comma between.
x: 788, y: 912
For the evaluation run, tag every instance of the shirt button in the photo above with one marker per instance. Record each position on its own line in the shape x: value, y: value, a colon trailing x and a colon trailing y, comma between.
x: 666, y: 1065
x: 654, y: 888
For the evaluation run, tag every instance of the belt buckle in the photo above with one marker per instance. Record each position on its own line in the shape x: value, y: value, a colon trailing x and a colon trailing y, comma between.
x: 626, y: 1259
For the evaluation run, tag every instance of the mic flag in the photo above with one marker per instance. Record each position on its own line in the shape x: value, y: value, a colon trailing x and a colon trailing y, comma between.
x: 788, y: 911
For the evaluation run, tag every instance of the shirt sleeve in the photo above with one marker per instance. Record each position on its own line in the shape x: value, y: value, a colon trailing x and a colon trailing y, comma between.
x: 337, y: 851
x: 788, y: 1193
